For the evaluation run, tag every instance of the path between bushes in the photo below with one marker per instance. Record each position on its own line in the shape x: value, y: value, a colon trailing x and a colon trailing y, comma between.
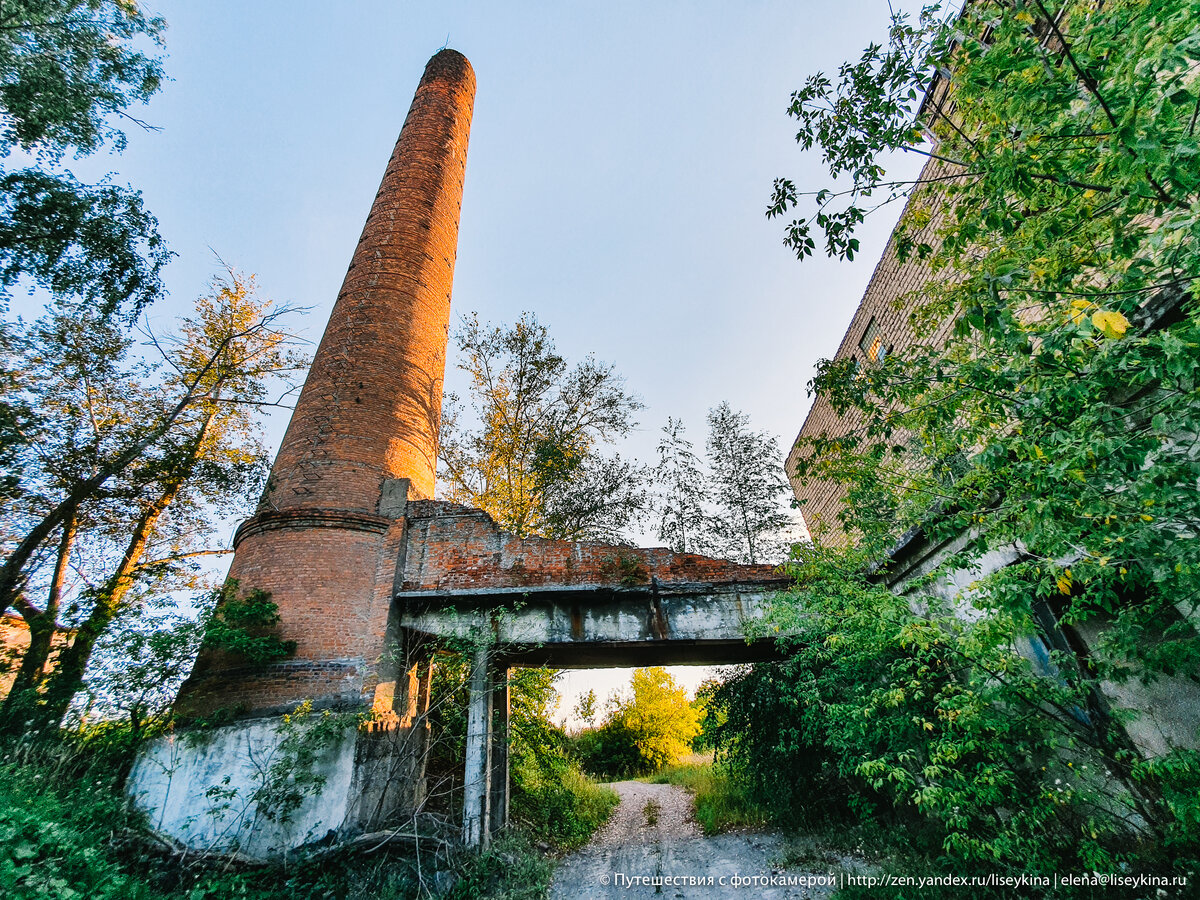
x: 652, y: 835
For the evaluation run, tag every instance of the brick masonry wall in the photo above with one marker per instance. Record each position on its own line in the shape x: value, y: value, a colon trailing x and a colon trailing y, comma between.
x: 320, y: 543
x: 322, y: 576
x: 371, y: 404
x: 14, y: 641
x: 368, y: 412
x: 887, y: 301
x: 456, y: 548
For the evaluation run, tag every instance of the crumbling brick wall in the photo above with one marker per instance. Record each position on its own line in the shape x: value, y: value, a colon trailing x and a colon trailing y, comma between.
x: 454, y: 548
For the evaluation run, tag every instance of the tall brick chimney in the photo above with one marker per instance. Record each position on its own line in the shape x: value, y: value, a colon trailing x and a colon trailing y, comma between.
x: 369, y: 409
x: 363, y: 437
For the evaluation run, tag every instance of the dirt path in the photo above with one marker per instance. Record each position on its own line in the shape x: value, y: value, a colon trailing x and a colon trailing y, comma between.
x: 651, y: 847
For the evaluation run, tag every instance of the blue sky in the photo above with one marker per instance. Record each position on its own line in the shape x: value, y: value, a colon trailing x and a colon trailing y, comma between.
x: 621, y: 158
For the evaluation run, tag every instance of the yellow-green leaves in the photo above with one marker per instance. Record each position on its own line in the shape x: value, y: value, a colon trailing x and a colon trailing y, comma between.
x: 1079, y: 310
x: 1110, y: 322
x: 1064, y: 582
x: 1107, y: 321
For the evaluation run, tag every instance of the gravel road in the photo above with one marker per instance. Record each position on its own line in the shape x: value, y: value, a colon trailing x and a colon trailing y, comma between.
x: 652, y: 836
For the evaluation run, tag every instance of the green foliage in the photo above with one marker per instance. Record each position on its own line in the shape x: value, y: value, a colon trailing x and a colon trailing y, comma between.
x: 555, y: 801
x: 69, y: 832
x: 748, y: 487
x: 127, y: 464
x: 69, y: 67
x: 939, y: 724
x: 735, y: 505
x: 68, y: 70
x: 139, y: 666
x: 1053, y: 428
x: 532, y: 459
x: 62, y: 818
x: 651, y: 728
x: 585, y: 708
x: 291, y: 775
x: 95, y: 245
x: 243, y: 625
x: 508, y: 870
x: 659, y: 717
x: 683, y: 518
x: 609, y: 751
x: 552, y: 799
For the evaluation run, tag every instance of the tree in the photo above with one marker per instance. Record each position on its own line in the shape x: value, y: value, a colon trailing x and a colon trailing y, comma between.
x: 68, y: 68
x: 683, y: 520
x: 1053, y: 418
x: 132, y: 460
x: 585, y: 708
x: 1060, y: 223
x: 533, y: 461
x: 748, y: 487
x: 657, y: 720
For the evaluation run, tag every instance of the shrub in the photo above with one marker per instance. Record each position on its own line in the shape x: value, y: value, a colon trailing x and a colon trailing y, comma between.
x: 610, y: 751
x: 653, y: 727
x: 938, y: 723
x: 63, y: 816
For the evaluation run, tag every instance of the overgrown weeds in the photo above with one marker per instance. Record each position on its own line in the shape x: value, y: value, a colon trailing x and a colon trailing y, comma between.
x: 722, y: 803
x: 68, y: 832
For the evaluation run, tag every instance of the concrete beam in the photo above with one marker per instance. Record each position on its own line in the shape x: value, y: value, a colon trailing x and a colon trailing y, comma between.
x: 583, y: 628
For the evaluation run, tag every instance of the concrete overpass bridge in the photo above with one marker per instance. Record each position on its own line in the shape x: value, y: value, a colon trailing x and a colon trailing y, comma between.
x: 567, y: 605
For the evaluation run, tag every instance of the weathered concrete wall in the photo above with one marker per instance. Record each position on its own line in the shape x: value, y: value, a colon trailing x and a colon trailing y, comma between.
x: 199, y: 788
x: 602, y: 627
x: 202, y: 789
x: 1167, y: 710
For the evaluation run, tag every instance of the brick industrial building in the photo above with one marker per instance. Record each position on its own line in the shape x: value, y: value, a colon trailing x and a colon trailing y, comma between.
x: 1168, y: 710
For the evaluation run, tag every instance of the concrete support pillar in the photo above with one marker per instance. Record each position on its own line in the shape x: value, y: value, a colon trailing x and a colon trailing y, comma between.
x: 498, y: 814
x: 476, y: 780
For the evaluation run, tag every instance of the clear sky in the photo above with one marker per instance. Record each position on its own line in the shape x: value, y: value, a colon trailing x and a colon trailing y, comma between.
x: 620, y: 162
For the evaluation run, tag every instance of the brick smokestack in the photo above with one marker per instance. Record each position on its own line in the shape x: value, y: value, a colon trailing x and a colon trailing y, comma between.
x: 371, y: 405
x: 329, y: 530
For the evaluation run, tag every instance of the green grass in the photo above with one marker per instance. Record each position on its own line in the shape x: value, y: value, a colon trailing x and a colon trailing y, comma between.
x: 721, y: 803
x: 562, y: 807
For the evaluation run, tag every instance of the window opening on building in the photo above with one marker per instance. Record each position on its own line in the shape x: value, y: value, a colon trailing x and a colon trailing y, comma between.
x: 872, y: 344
